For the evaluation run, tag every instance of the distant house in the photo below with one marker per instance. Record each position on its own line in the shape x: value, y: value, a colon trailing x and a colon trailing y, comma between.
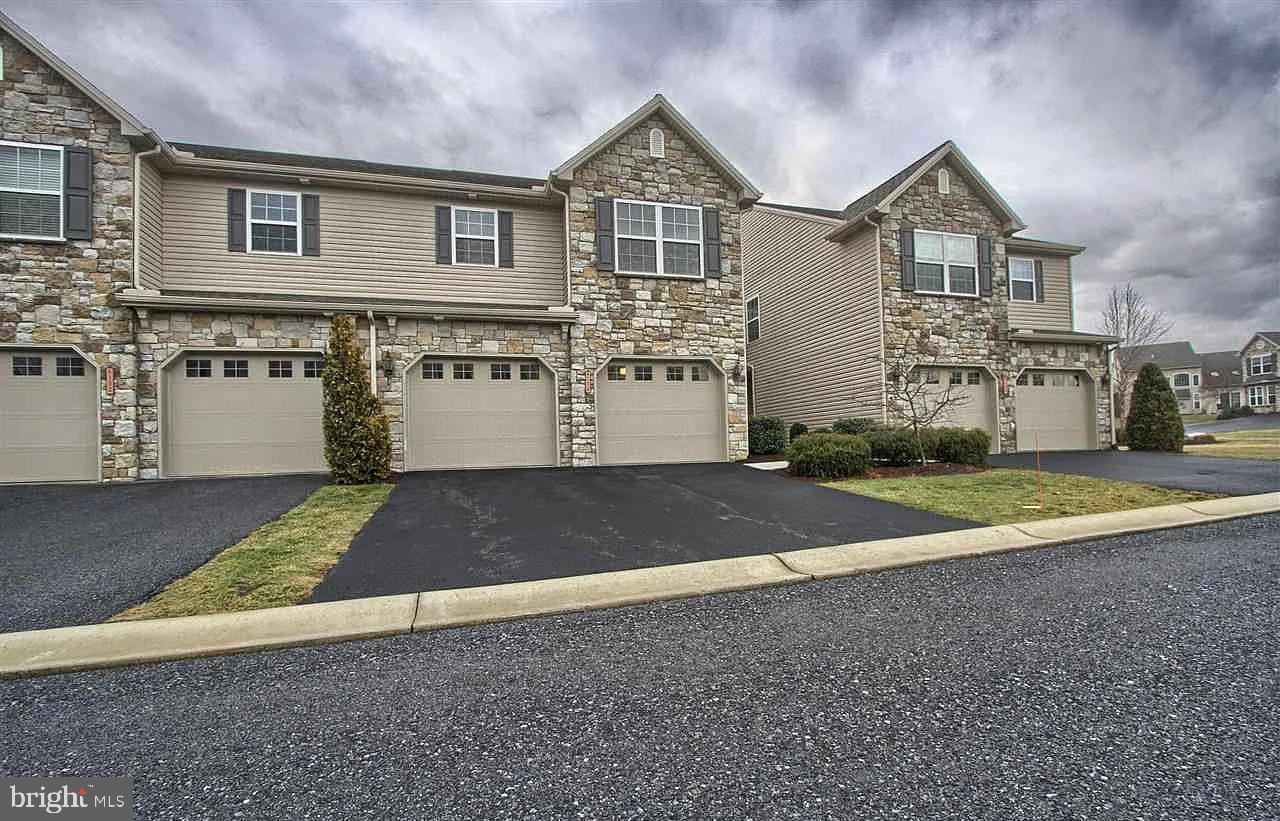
x: 1181, y: 366
x: 1261, y: 377
x: 1221, y: 382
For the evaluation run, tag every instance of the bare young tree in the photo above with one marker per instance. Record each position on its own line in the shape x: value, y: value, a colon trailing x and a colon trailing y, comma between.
x: 914, y: 400
x: 1127, y: 315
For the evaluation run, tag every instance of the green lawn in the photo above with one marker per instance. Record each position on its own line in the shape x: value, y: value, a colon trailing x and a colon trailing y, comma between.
x: 998, y: 496
x: 1197, y: 418
x: 1242, y: 444
x: 278, y: 564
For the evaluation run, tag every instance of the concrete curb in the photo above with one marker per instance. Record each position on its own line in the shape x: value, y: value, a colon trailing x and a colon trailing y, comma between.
x: 67, y: 649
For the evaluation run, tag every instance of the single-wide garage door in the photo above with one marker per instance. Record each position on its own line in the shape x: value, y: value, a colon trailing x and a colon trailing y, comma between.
x: 970, y: 397
x: 1054, y: 410
x: 48, y: 416
x: 479, y: 413
x: 650, y: 412
x: 236, y: 414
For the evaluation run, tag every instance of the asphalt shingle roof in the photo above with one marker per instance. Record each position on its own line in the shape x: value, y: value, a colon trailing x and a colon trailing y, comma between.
x: 1165, y: 354
x: 1226, y: 366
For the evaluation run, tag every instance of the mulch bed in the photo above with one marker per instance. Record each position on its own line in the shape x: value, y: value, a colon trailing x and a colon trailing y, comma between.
x: 884, y: 472
x: 767, y: 457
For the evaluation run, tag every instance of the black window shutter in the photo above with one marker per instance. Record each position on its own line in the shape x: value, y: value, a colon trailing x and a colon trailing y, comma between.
x: 711, y: 241
x: 310, y: 225
x: 604, y: 234
x: 984, y: 266
x: 506, y: 240
x: 77, y: 193
x: 444, y: 235
x: 907, y: 244
x: 235, y: 219
x: 1039, y: 281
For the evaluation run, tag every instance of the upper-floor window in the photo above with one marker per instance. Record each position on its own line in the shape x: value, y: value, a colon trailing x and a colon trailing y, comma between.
x: 30, y: 191
x: 1258, y: 365
x: 475, y: 236
x: 944, y: 181
x: 1181, y: 380
x: 1022, y: 279
x: 753, y: 319
x: 658, y: 239
x: 946, y: 263
x: 273, y: 222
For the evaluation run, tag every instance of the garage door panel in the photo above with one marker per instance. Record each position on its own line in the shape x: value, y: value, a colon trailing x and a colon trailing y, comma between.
x: 1054, y: 411
x: 660, y: 421
x: 48, y: 422
x: 976, y: 400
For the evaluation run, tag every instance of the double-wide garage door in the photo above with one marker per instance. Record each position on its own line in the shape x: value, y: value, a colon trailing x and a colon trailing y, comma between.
x: 1055, y: 410
x: 653, y: 411
x: 48, y: 416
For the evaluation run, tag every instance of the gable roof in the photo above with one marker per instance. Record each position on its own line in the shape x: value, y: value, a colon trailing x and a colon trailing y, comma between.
x: 129, y: 125
x: 659, y: 105
x: 1221, y: 369
x: 878, y: 199
x: 1043, y: 246
x: 1167, y: 355
x: 1271, y: 336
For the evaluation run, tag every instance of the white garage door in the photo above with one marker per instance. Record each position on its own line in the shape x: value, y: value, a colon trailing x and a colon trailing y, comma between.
x: 651, y: 412
x: 48, y: 416
x: 236, y: 414
x: 479, y: 413
x: 1054, y: 410
x: 970, y: 396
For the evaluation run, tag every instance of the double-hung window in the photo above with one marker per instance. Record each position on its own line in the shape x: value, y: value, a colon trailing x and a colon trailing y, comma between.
x: 665, y: 240
x: 946, y: 263
x: 273, y: 223
x: 1022, y: 279
x: 30, y: 191
x: 1262, y: 395
x: 475, y: 237
x: 753, y: 319
x: 1259, y: 365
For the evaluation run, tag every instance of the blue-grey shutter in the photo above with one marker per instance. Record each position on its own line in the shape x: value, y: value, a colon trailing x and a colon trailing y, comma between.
x: 1039, y: 281
x: 77, y: 193
x: 506, y: 240
x: 310, y: 225
x: 444, y: 235
x: 984, y: 266
x: 235, y: 219
x: 907, y: 246
x: 604, y: 234
x: 711, y: 241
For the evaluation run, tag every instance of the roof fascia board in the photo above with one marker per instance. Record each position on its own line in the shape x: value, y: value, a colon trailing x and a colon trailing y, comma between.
x: 1079, y: 338
x: 1032, y: 246
x: 798, y: 215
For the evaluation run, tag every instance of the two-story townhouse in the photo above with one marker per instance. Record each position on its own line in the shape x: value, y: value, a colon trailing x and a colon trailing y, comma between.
x: 922, y: 278
x: 590, y: 316
x: 1181, y: 365
x: 1258, y: 362
x: 1222, y: 382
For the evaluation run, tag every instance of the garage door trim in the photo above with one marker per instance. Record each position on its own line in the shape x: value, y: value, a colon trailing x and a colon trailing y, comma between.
x: 97, y: 375
x: 219, y: 349
x: 525, y: 357
x: 1066, y: 369
x: 687, y: 358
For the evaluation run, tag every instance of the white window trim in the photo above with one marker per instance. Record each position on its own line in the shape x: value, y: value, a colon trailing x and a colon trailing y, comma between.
x: 657, y: 148
x: 249, y: 222
x: 946, y: 266
x: 944, y: 181
x: 759, y: 320
x: 1263, y: 360
x: 1264, y: 391
x: 1035, y: 296
x: 455, y: 236
x: 61, y: 195
x: 658, y: 239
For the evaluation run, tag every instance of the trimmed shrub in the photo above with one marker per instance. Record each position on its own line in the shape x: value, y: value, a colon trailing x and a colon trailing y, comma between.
x: 1236, y: 412
x: 1154, y: 422
x: 766, y: 434
x: 798, y: 429
x: 896, y: 447
x: 853, y: 425
x: 357, y: 437
x: 829, y: 456
x: 962, y: 446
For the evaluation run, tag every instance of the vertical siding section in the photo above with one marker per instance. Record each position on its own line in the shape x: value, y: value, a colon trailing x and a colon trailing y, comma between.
x: 372, y: 243
x: 150, y: 226
x: 1055, y: 312
x: 818, y: 357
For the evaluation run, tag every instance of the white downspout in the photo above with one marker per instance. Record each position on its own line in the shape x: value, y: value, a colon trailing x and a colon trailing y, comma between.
x: 137, y: 211
x: 568, y: 255
x: 373, y: 355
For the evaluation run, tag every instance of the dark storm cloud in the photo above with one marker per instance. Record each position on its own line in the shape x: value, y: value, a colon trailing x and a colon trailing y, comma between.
x: 1149, y: 131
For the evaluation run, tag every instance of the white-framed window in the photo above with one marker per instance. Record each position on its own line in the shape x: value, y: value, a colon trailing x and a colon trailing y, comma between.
x: 665, y: 240
x: 1262, y: 395
x: 1258, y: 365
x: 956, y: 378
x: 31, y: 191
x: 433, y: 370
x: 946, y: 263
x: 312, y: 368
x: 200, y: 368
x: 68, y: 366
x: 1195, y: 401
x: 975, y: 377
x: 1195, y: 379
x: 753, y: 319
x: 1181, y: 380
x: 235, y: 368
x: 643, y: 373
x: 944, y: 181
x: 28, y: 366
x: 475, y: 236
x: 657, y: 143
x: 279, y: 369
x: 530, y: 371
x: 617, y: 373
x: 929, y: 376
x: 463, y: 371
x: 697, y: 373
x: 500, y: 371
x: 1022, y: 279
x: 675, y: 373
x: 274, y: 223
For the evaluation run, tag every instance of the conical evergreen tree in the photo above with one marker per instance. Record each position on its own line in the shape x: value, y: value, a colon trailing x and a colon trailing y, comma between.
x: 1154, y: 422
x: 357, y: 437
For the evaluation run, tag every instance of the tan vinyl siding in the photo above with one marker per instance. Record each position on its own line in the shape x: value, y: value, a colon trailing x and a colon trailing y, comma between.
x: 818, y: 356
x: 150, y: 226
x: 372, y: 244
x: 1055, y: 312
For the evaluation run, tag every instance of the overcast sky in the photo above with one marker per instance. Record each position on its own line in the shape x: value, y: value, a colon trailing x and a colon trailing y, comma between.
x: 1148, y: 131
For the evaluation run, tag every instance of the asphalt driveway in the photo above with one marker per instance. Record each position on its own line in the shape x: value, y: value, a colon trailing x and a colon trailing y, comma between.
x: 77, y: 554
x: 1259, y: 421
x: 466, y: 528
x: 1208, y: 474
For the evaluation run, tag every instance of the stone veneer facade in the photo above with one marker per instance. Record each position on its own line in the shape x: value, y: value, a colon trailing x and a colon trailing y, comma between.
x: 64, y: 293
x: 646, y: 316
x: 965, y: 330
